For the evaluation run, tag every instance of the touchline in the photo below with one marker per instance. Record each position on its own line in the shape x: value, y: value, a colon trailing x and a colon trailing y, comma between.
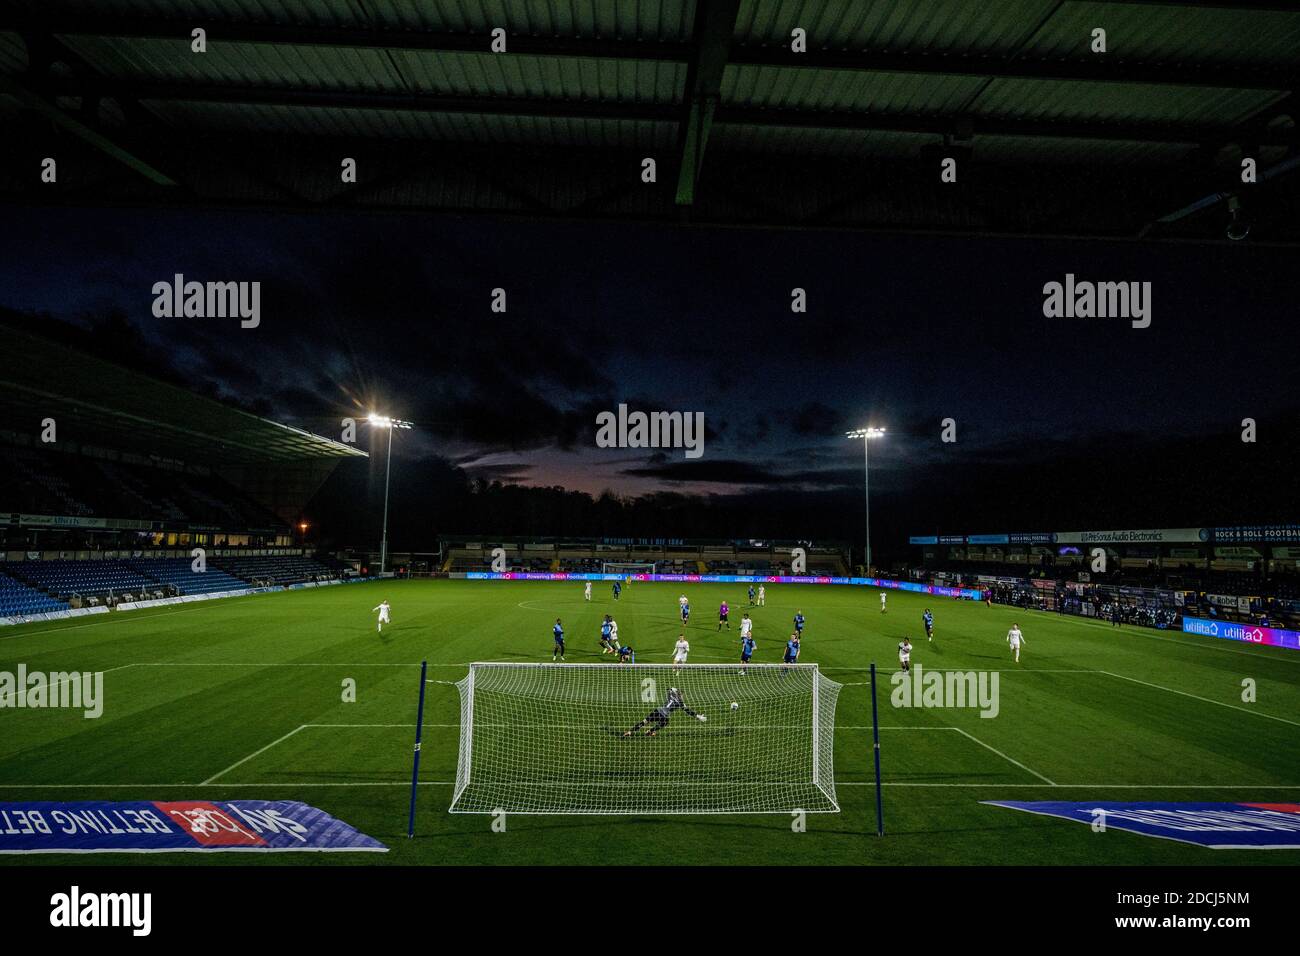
x: 58, y: 689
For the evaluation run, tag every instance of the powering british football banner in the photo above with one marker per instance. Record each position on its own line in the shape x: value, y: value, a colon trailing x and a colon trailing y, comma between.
x: 970, y: 594
x: 1219, y: 826
x: 154, y: 826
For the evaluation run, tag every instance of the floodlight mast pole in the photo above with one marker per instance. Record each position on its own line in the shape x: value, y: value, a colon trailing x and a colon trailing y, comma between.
x: 866, y: 494
x: 388, y: 470
x: 866, y: 434
x: 390, y: 424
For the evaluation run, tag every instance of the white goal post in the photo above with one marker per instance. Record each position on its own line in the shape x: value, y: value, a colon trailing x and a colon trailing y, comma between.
x: 553, y: 739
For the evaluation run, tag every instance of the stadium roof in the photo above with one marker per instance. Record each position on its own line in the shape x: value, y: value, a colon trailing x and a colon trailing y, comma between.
x: 1145, y: 139
x: 96, y: 402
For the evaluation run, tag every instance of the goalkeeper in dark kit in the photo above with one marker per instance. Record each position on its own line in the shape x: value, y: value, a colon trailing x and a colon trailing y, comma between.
x: 658, y: 718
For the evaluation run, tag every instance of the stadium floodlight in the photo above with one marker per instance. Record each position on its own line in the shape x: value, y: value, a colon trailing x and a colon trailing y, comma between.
x: 577, y: 739
x: 866, y: 434
x: 388, y: 424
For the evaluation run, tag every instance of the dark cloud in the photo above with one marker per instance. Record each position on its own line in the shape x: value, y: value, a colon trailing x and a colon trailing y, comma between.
x: 735, y: 472
x: 392, y: 313
x: 813, y: 418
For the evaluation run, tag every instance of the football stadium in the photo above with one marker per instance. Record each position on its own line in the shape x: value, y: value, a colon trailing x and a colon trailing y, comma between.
x: 160, y: 548
x: 671, y: 435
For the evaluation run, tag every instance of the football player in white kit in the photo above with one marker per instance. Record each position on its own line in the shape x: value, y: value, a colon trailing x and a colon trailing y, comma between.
x: 383, y: 616
x: 762, y: 595
x: 680, y: 650
x: 1015, y: 639
x: 586, y: 592
x: 882, y: 602
x: 905, y: 654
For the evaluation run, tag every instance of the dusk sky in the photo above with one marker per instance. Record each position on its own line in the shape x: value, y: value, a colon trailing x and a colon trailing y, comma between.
x: 392, y: 312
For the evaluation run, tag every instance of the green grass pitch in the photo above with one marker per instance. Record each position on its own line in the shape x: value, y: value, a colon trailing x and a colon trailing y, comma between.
x: 242, y: 698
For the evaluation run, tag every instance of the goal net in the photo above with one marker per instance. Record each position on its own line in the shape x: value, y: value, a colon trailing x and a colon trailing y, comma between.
x: 550, y: 739
x: 628, y: 567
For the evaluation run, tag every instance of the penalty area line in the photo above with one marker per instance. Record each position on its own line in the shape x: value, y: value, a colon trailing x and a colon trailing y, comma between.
x: 1183, y: 693
x: 1004, y: 756
x: 239, y: 763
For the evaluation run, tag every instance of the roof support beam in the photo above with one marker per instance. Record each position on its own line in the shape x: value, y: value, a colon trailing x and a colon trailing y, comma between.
x: 960, y: 127
x: 1214, y: 186
x: 92, y: 24
x: 81, y: 130
x: 1237, y: 6
x: 1222, y: 76
x: 715, y: 22
x: 963, y: 127
x: 388, y: 101
x: 34, y: 91
x: 1020, y: 68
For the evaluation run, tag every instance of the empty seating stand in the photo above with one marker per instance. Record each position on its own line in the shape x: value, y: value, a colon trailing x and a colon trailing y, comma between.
x: 278, y: 569
x: 180, y: 574
x: 19, y: 600
x: 63, y: 578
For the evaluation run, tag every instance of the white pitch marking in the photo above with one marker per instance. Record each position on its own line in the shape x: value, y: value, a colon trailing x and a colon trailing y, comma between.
x: 1093, y: 786
x: 1206, y: 700
x: 252, y: 755
x: 76, y: 676
x: 1004, y: 756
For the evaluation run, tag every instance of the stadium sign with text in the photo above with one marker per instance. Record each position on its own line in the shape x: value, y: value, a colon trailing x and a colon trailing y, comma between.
x: 1017, y: 537
x: 1289, y: 533
x: 1139, y: 536
x: 1219, y: 826
x: 971, y: 594
x: 1249, y: 633
x: 151, y: 826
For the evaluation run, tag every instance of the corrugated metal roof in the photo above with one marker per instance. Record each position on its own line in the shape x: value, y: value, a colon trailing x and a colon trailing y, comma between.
x: 319, y: 67
x: 261, y: 63
x: 405, y: 124
x: 1073, y: 100
x: 13, y: 54
x: 562, y: 77
x: 1169, y: 34
x: 668, y: 20
x: 934, y: 25
x: 665, y: 20
x: 776, y: 88
x: 280, y: 86
x: 1049, y: 150
x: 739, y: 138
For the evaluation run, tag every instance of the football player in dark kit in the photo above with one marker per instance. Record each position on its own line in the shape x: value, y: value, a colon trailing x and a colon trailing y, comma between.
x: 658, y: 718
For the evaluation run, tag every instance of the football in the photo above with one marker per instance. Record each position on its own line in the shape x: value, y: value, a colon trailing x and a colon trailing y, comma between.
x: 735, y: 706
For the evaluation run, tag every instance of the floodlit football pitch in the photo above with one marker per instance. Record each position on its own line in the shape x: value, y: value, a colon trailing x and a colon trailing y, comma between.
x: 245, y: 699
